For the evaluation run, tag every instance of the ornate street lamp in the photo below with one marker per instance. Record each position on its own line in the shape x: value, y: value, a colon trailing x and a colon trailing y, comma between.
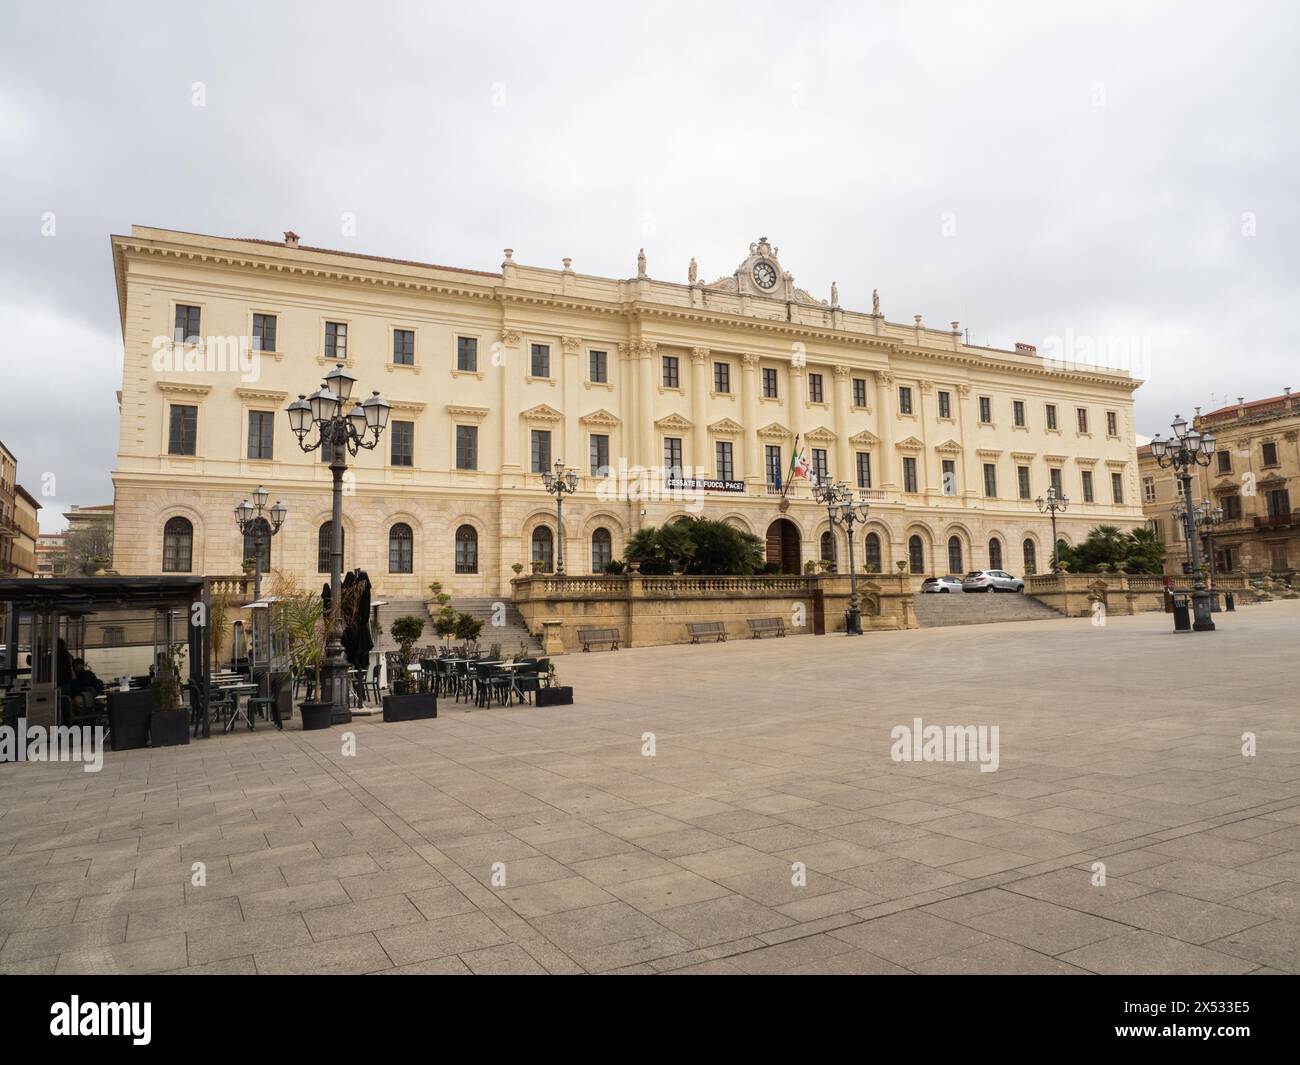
x: 343, y: 434
x: 1202, y: 516
x: 826, y: 492
x: 558, y: 483
x: 842, y: 509
x: 1050, y: 505
x: 252, y: 517
x: 1187, y: 449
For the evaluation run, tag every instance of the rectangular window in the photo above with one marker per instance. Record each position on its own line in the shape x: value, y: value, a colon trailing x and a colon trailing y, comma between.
x: 769, y: 383
x: 1117, y: 488
x: 403, y: 443
x: 1086, y: 477
x: 541, y: 360
x: 261, y: 434
x: 403, y: 347
x: 1225, y: 461
x: 722, y: 377
x: 336, y: 340
x: 1269, y: 452
x: 1018, y: 412
x: 949, y: 477
x: 945, y: 404
x: 1148, y: 489
x: 183, y: 433
x: 1022, y: 482
x: 672, y: 456
x: 723, y: 458
x: 599, y: 455
x: 264, y: 332
x: 864, y: 469
x: 904, y: 399
x: 187, y: 324
x: 541, y: 450
x: 986, y: 409
x: 1051, y: 416
x: 467, y: 447
x: 1112, y: 423
x: 909, y: 474
x: 1081, y: 415
x: 598, y: 367
x: 467, y: 354
x: 672, y: 376
x: 820, y: 468
x: 1231, y: 508
x: 815, y: 393
x: 1054, y: 479
x: 859, y: 391
x: 990, y: 480
x: 772, y: 464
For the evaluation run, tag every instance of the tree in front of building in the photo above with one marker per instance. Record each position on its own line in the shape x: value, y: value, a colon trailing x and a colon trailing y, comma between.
x: 696, y: 546
x: 1109, y: 549
x: 88, y: 548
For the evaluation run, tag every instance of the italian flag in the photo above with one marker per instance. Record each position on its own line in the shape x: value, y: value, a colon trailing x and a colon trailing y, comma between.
x: 799, y: 464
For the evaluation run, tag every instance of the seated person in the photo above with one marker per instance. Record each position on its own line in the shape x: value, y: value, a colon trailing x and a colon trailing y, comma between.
x: 83, y: 679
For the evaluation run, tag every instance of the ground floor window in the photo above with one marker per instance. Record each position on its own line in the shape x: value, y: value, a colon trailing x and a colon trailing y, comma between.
x: 401, y: 549
x: 954, y: 555
x: 178, y: 545
x: 995, y: 554
x: 1031, y: 564
x: 323, y: 546
x: 467, y: 549
x: 543, y: 550
x: 873, y: 553
x: 915, y: 554
x: 602, y: 550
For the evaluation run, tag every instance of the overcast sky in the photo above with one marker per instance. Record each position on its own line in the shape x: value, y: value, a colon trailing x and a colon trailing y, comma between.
x: 1093, y: 171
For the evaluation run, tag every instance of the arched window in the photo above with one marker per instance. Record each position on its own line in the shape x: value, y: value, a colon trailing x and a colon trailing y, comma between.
x: 827, y: 547
x: 178, y: 545
x: 252, y: 549
x: 401, y: 549
x: 544, y: 549
x: 916, y: 554
x: 467, y: 549
x: 995, y: 553
x: 873, y: 553
x: 1031, y: 563
x: 602, y: 550
x: 954, y: 554
x: 323, y: 547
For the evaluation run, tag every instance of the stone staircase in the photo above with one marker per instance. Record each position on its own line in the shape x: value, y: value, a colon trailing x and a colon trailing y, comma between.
x: 981, y: 608
x: 509, y: 635
x: 398, y: 608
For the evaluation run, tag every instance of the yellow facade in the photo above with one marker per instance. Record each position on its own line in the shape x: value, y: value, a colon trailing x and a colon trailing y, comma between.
x: 749, y: 360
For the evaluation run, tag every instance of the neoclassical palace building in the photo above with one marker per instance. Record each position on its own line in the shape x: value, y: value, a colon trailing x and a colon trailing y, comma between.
x: 667, y: 398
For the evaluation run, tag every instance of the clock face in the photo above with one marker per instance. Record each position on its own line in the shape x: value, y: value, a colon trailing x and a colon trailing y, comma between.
x: 764, y: 274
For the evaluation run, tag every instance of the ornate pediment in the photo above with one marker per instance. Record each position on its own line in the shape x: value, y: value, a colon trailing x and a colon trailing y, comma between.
x: 775, y: 431
x: 673, y: 422
x: 1056, y: 458
x: 459, y: 411
x: 988, y: 452
x: 761, y: 274
x: 866, y: 438
x: 727, y: 427
x: 820, y: 435
x: 948, y: 447
x: 261, y: 395
x: 410, y: 406
x: 1023, y: 456
x: 1085, y: 460
x: 600, y: 417
x: 910, y: 444
x: 543, y: 412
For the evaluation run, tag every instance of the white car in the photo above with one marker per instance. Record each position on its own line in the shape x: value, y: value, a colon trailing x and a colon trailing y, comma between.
x: 950, y: 583
x: 991, y: 580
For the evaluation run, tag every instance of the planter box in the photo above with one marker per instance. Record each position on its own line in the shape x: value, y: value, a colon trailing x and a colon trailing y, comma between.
x: 410, y: 707
x: 316, y: 715
x: 169, y: 728
x: 129, y: 714
x: 554, y: 696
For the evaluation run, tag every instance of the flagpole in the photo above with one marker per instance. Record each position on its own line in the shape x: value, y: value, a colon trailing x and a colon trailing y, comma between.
x: 789, y: 474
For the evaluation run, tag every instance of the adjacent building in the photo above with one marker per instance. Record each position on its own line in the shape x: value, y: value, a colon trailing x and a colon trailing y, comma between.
x: 667, y: 398
x: 1254, y: 477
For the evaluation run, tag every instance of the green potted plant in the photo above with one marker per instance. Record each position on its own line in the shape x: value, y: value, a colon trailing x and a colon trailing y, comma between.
x: 170, y: 720
x: 304, y: 626
x: 403, y: 704
x: 518, y: 567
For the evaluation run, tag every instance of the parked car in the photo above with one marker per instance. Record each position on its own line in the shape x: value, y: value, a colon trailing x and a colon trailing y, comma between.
x: 991, y: 580
x: 950, y: 583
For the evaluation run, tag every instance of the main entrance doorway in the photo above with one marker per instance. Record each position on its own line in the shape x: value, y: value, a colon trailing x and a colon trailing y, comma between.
x: 783, y: 544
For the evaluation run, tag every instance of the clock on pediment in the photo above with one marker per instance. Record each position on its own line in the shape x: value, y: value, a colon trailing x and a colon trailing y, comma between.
x: 760, y: 274
x: 765, y: 275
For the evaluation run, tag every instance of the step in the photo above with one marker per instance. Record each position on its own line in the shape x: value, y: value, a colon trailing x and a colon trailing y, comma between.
x: 957, y: 608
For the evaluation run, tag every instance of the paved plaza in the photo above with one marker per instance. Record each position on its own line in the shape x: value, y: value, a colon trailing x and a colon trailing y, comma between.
x: 770, y: 831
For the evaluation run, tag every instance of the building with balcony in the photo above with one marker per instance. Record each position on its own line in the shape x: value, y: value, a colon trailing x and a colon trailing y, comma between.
x: 667, y: 397
x: 1254, y: 477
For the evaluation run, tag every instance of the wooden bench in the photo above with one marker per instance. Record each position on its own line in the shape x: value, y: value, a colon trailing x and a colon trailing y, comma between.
x: 764, y: 626
x: 696, y: 629
x: 588, y: 637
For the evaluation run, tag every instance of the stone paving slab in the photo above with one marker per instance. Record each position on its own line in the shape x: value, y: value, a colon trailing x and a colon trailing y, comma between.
x: 770, y: 832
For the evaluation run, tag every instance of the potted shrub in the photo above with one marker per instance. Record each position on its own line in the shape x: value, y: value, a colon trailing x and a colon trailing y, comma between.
x: 518, y: 567
x: 305, y: 627
x: 553, y: 694
x: 614, y: 567
x: 169, y: 723
x: 404, y: 704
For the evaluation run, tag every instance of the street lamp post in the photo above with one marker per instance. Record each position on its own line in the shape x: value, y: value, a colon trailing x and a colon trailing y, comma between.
x: 1203, y: 516
x: 252, y: 517
x: 1050, y: 505
x: 558, y: 483
x: 842, y: 509
x: 1183, y: 452
x: 342, y: 433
